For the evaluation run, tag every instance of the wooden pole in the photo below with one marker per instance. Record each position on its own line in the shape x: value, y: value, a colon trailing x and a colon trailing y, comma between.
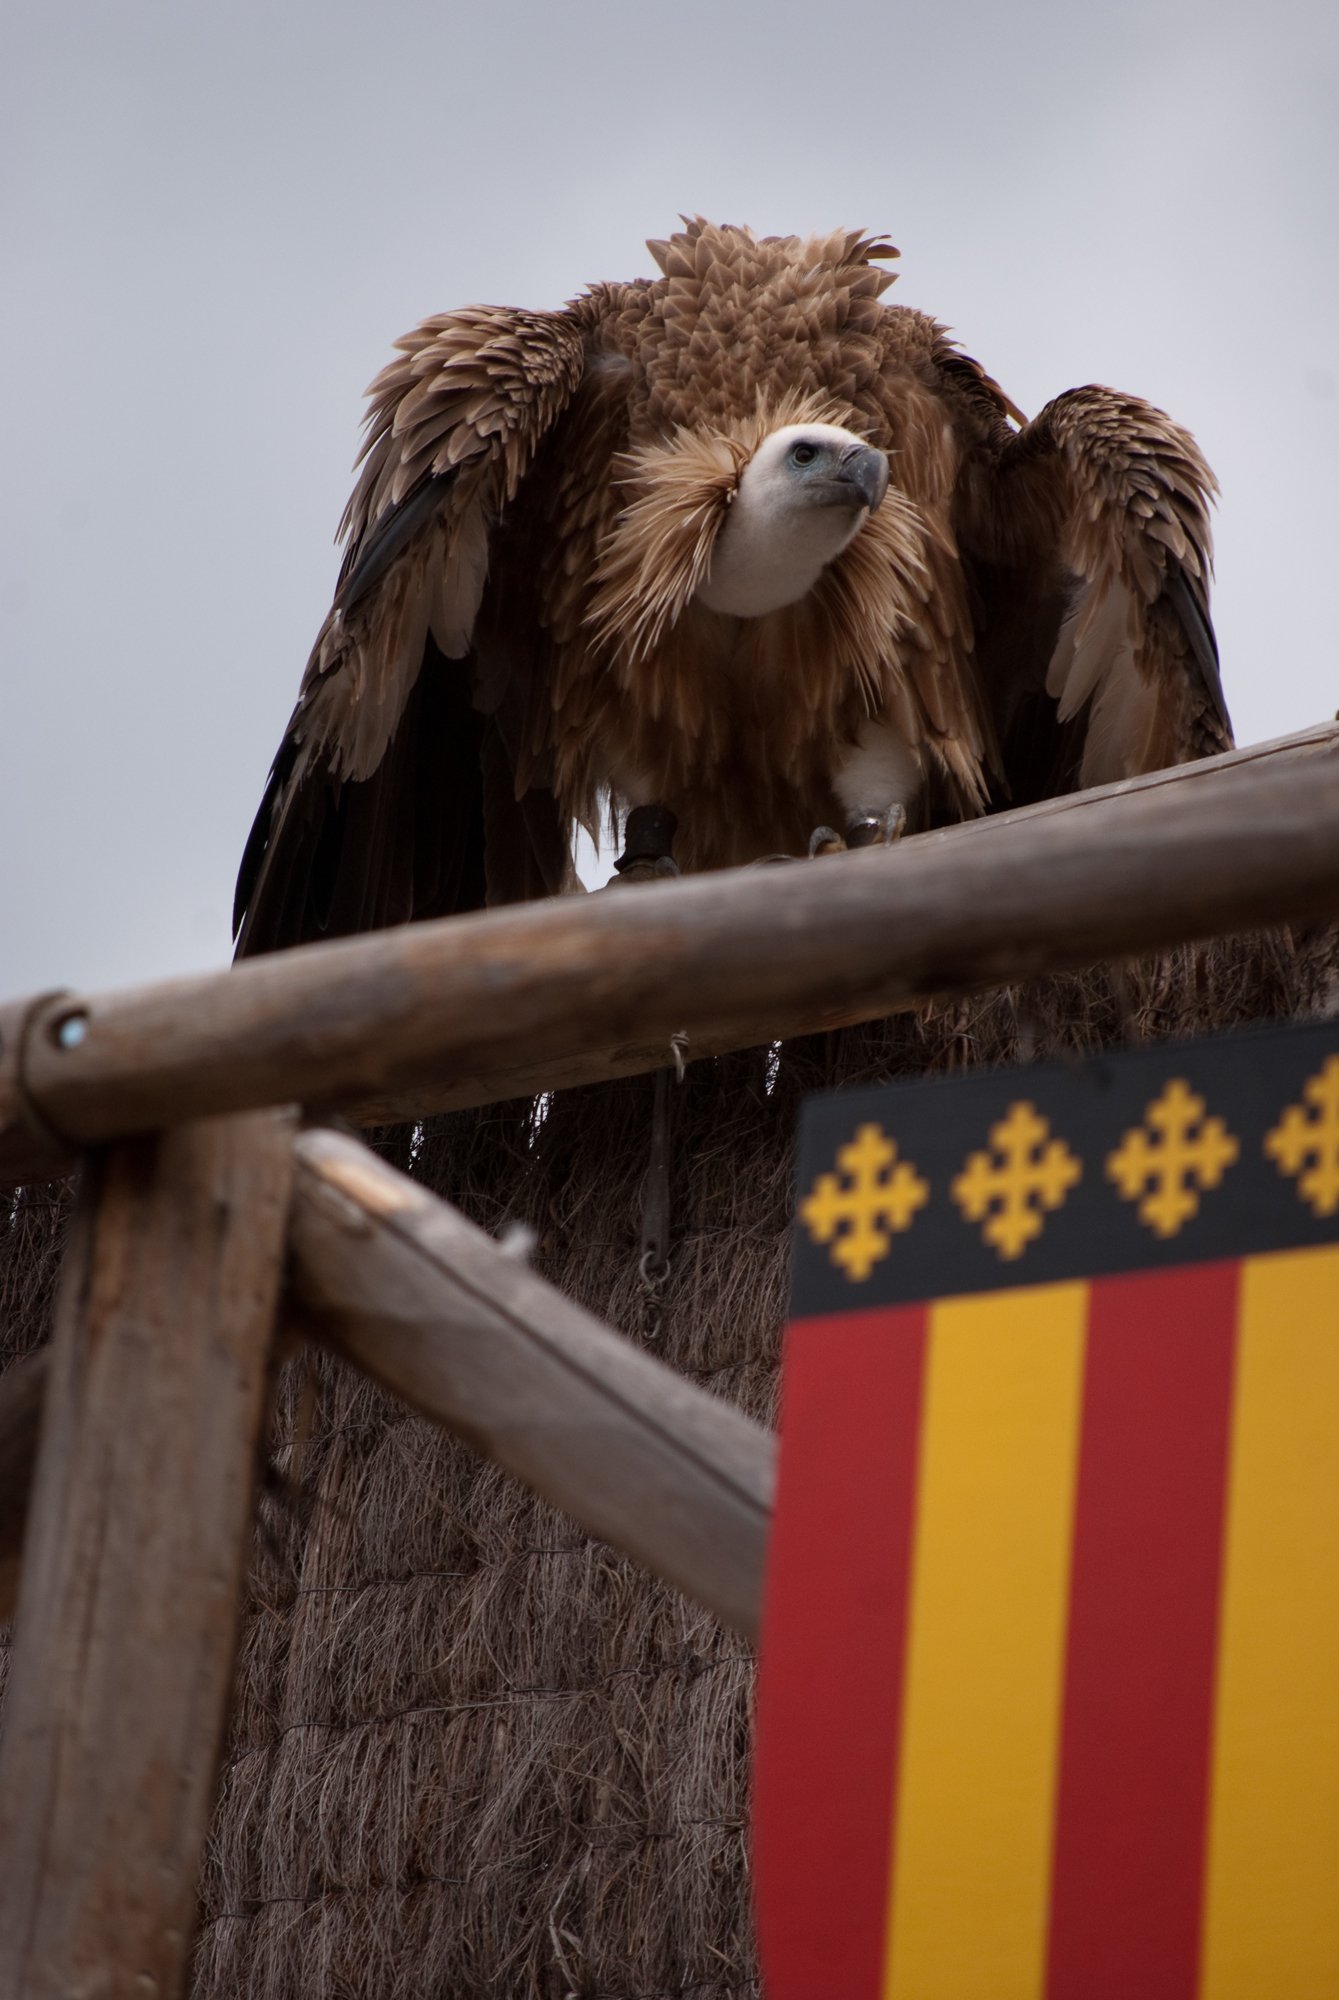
x: 579, y: 988
x: 398, y: 1282
x: 136, y: 1543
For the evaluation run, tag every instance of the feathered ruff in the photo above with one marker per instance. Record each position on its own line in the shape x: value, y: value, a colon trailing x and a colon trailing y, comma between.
x: 700, y: 711
x: 677, y: 494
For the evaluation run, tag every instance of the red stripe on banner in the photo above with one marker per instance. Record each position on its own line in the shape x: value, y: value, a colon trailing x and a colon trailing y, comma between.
x: 830, y: 1708
x: 1127, y: 1892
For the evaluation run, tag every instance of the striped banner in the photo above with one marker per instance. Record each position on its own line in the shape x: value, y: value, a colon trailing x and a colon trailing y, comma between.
x: 1050, y: 1677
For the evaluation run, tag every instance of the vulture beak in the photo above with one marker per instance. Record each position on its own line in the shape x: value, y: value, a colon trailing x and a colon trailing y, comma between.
x: 862, y: 473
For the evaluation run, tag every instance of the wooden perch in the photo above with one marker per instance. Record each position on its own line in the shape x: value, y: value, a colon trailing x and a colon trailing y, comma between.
x: 512, y: 1001
x: 134, y: 1554
x: 398, y: 1282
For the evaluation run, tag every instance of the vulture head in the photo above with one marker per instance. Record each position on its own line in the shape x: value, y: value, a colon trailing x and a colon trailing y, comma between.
x: 805, y: 493
x: 742, y: 520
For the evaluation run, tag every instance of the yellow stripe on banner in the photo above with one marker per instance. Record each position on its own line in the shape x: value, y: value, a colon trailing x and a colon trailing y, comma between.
x: 981, y: 1718
x: 1272, y: 1913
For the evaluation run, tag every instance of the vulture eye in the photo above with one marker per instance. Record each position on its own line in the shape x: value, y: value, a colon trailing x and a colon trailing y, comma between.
x: 803, y: 454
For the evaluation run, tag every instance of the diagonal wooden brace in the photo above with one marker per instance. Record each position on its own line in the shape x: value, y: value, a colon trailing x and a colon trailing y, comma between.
x: 403, y: 1285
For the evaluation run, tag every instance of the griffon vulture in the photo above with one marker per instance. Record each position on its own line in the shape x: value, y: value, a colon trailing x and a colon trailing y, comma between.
x: 742, y: 542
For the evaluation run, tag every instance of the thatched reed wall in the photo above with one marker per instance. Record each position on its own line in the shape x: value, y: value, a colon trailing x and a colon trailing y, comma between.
x: 33, y: 1222
x: 472, y: 1753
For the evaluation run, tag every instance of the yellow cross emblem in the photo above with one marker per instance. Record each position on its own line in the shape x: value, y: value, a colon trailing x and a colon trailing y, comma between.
x: 1305, y: 1144
x: 1026, y: 1173
x: 1176, y: 1155
x: 881, y: 1197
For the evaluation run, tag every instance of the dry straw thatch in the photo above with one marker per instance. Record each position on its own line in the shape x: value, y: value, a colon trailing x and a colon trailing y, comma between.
x: 472, y: 1752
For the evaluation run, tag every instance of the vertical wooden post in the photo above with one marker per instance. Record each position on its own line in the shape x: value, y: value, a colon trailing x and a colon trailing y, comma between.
x: 136, y: 1544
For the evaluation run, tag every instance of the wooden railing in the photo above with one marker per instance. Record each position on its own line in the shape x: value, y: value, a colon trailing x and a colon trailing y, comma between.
x: 475, y: 1009
x: 210, y: 1225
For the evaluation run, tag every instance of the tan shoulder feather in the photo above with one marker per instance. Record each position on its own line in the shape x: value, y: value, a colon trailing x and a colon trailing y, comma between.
x: 1136, y: 648
x: 454, y: 422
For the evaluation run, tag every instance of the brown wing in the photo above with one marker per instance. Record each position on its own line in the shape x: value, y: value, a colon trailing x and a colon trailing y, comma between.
x: 1097, y: 643
x: 393, y: 793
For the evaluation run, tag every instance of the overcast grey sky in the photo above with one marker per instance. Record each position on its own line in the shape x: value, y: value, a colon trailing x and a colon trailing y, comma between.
x: 217, y: 217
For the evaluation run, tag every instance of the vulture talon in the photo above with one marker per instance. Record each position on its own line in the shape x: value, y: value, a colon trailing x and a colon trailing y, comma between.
x: 825, y: 840
x: 876, y: 829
